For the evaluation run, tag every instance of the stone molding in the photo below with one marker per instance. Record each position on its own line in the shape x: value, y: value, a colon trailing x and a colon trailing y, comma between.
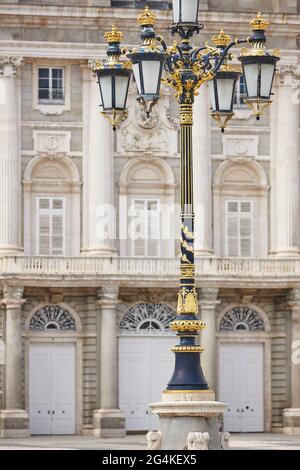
x: 108, y: 296
x: 287, y: 74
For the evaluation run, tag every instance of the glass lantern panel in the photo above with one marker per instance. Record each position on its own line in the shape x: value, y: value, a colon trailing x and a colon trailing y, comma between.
x: 121, y: 91
x: 151, y: 76
x: 189, y: 10
x: 136, y: 73
x: 211, y: 85
x: 176, y: 12
x: 267, y: 72
x: 106, y: 91
x: 251, y: 76
x: 225, y: 93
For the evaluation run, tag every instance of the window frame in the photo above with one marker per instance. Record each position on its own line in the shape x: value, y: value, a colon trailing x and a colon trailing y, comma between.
x: 51, y: 212
x: 48, y: 108
x: 239, y: 239
x: 51, y: 101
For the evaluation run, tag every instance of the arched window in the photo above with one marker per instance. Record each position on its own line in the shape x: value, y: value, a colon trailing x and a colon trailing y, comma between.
x: 146, y: 207
x: 240, y: 209
x: 153, y: 319
x: 242, y: 318
x: 51, y: 206
x: 52, y: 317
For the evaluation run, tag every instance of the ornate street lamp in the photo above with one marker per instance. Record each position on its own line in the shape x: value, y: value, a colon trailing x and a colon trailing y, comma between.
x: 259, y: 67
x: 147, y: 63
x: 113, y: 78
x: 223, y: 85
x: 186, y: 68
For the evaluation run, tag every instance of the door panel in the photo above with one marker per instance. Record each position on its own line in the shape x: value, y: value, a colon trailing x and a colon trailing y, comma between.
x: 63, y: 389
x: 145, y: 367
x: 242, y: 387
x: 52, y: 385
x: 39, y: 384
x: 133, y: 381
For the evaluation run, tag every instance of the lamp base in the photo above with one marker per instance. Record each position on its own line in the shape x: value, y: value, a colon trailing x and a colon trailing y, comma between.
x: 188, y: 421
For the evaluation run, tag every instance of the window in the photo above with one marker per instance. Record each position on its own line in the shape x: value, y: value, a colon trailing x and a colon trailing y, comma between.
x: 239, y: 229
x: 51, y: 85
x: 145, y: 231
x: 50, y: 226
x: 241, y: 93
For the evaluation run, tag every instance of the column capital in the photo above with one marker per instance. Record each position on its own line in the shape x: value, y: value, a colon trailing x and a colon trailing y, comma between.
x: 108, y: 296
x: 293, y: 300
x: 10, y: 65
x: 287, y: 74
x: 209, y: 297
x: 13, y: 297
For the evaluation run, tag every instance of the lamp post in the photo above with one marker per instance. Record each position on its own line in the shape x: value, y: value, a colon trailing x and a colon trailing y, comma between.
x: 185, y: 68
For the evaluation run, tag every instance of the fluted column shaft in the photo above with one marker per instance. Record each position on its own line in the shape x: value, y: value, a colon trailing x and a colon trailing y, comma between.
x: 208, y: 303
x: 10, y: 160
x: 98, y: 175
x: 202, y: 174
x: 108, y: 420
x: 287, y: 174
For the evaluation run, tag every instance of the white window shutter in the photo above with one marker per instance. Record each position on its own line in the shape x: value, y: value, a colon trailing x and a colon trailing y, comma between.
x: 147, y: 242
x: 239, y: 228
x: 44, y: 235
x: 51, y: 226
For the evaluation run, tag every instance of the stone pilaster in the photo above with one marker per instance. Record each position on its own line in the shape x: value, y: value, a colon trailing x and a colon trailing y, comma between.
x: 98, y: 174
x: 10, y: 159
x: 14, y: 419
x: 109, y: 421
x: 208, y: 302
x: 202, y: 174
x: 285, y: 173
x: 291, y: 416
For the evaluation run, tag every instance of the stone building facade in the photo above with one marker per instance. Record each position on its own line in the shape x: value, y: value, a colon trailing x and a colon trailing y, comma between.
x: 84, y: 316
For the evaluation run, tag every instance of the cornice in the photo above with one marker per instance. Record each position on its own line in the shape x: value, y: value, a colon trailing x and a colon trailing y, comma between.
x: 93, y: 17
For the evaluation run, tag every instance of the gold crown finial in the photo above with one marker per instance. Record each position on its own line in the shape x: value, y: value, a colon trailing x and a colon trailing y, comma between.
x: 221, y: 39
x: 114, y: 35
x: 259, y: 23
x: 147, y: 18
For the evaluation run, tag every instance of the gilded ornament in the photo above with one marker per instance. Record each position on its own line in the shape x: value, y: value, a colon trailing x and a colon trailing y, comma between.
x: 187, y: 349
x: 114, y: 35
x: 147, y: 18
x: 259, y: 23
x: 184, y: 326
x: 187, y: 301
x: 221, y: 39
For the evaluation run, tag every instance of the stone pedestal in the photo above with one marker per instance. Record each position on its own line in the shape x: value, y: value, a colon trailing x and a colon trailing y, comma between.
x: 108, y: 420
x: 188, y: 421
x: 291, y: 422
x: 14, y: 423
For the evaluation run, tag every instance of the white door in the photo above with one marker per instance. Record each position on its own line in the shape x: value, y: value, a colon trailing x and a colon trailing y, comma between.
x: 241, y: 386
x: 146, y: 365
x: 52, y: 388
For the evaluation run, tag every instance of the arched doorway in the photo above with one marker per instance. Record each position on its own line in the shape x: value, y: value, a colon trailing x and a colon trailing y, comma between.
x: 145, y: 361
x: 242, y: 372
x: 52, y: 380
